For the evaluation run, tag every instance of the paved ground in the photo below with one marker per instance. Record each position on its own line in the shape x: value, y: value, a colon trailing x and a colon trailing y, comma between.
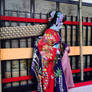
x: 82, y: 89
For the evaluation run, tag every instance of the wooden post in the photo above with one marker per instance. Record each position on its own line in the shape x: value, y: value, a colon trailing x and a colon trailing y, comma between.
x: 57, y: 6
x: 32, y: 8
x: 2, y: 8
x: 0, y: 72
x: 81, y: 36
x: 0, y: 78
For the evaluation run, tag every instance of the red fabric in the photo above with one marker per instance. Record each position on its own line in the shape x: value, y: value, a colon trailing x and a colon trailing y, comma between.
x: 83, y: 84
x: 78, y: 70
x: 10, y: 18
x: 22, y: 19
x: 50, y: 85
x: 54, y: 33
x: 45, y: 47
x: 48, y: 53
x: 7, y: 80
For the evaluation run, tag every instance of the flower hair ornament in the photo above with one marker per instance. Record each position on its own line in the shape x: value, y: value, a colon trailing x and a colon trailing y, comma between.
x: 55, y: 20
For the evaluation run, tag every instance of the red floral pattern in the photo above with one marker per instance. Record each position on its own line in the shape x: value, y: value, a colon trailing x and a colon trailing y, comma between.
x: 48, y: 53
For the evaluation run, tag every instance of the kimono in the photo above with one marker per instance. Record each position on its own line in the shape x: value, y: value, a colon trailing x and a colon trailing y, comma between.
x: 47, y: 62
x: 46, y: 65
x: 66, y: 66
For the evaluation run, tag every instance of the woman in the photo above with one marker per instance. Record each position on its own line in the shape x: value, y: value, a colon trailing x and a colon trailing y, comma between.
x: 46, y: 65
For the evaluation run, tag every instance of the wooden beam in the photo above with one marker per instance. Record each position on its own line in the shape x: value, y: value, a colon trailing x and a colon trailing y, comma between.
x: 16, y: 53
x: 75, y: 50
x: 26, y: 53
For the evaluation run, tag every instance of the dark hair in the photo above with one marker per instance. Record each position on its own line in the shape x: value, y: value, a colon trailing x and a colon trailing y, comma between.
x: 50, y: 23
x: 64, y: 19
x: 53, y: 21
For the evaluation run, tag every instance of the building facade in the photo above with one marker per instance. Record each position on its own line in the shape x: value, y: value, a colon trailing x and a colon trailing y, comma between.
x: 43, y: 6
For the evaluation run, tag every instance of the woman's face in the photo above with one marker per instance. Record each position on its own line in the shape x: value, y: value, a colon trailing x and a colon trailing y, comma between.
x: 49, y: 19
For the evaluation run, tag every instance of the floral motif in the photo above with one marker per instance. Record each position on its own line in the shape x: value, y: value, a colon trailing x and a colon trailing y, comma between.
x: 58, y: 73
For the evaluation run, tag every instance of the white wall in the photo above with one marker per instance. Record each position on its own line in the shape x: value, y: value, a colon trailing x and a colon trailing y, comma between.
x: 86, y: 1
x: 43, y: 6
